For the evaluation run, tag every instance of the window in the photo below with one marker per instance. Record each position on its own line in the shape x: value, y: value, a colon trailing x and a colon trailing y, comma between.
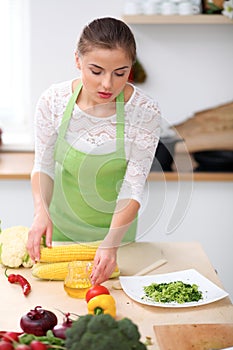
x: 14, y: 66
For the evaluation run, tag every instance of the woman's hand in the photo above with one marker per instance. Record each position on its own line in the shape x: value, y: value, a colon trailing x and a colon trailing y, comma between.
x: 105, y: 259
x: 42, y: 225
x: 42, y: 188
x: 104, y: 264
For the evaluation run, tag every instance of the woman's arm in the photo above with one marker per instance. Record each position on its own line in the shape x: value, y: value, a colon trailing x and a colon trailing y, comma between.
x: 106, y: 255
x: 43, y: 170
x: 42, y: 190
x: 125, y: 212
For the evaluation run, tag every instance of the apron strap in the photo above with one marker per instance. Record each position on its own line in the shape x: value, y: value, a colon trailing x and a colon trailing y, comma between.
x: 120, y: 120
x: 68, y: 111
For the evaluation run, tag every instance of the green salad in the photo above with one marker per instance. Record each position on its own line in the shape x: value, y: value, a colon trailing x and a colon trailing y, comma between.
x: 177, y: 291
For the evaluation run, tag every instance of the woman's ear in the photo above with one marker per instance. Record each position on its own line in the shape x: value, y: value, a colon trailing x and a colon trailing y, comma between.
x: 77, y: 60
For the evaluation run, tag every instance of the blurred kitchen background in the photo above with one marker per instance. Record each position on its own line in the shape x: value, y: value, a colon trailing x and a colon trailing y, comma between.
x: 188, y: 69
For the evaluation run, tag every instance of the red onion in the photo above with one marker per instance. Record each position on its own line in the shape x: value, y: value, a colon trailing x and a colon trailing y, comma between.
x: 59, y: 330
x: 38, y: 321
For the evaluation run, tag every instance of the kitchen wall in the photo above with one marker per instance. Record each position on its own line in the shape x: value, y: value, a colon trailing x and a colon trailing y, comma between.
x: 189, y: 67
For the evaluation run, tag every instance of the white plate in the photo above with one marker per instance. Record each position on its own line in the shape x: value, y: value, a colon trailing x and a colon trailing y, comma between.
x: 133, y: 287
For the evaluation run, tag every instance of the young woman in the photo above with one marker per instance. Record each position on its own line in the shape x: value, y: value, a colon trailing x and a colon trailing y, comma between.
x: 96, y: 138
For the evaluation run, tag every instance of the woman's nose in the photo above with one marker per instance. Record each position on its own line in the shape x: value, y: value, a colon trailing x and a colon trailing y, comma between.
x: 107, y: 81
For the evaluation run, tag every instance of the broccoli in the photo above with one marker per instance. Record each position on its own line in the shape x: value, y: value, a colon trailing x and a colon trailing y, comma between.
x: 129, y: 329
x: 177, y: 291
x: 101, y: 332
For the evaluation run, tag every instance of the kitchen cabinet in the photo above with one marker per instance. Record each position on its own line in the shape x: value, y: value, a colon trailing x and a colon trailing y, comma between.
x: 176, y: 19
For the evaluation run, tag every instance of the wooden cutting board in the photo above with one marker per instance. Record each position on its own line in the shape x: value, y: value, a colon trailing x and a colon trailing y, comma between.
x: 194, y: 336
x: 143, y: 255
x: 210, y: 129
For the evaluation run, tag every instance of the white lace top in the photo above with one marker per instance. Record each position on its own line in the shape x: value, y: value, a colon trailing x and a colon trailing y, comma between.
x: 88, y: 133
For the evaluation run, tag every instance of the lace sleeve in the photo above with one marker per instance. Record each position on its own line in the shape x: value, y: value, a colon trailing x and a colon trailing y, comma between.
x: 142, y: 140
x: 45, y: 135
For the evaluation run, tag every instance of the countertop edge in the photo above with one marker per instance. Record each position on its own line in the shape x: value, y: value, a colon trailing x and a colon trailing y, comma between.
x: 190, y: 176
x: 18, y: 166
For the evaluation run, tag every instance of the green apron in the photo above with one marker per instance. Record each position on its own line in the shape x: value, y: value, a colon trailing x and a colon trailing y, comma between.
x: 86, y: 185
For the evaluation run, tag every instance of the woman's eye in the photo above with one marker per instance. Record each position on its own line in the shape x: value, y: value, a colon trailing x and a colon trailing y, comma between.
x: 119, y: 74
x: 95, y: 72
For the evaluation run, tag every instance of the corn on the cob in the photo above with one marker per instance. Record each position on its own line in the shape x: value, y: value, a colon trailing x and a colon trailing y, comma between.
x: 50, y: 271
x: 116, y: 273
x: 58, y: 271
x: 70, y: 252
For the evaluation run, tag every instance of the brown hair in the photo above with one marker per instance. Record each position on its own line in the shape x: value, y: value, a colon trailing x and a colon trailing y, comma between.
x: 107, y: 33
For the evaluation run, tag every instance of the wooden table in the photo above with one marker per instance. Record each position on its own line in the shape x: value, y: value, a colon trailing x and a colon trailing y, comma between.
x: 52, y: 296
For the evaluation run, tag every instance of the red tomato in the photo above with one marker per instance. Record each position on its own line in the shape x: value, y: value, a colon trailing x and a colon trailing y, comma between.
x: 96, y: 290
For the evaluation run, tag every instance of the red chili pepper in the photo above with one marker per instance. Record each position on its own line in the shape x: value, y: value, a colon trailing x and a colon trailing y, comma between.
x: 12, y: 278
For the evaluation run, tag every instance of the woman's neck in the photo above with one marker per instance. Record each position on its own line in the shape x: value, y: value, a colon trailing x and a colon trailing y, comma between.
x: 98, y: 110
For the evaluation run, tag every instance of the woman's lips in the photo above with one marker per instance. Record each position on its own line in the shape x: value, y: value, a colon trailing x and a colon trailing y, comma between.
x: 105, y: 94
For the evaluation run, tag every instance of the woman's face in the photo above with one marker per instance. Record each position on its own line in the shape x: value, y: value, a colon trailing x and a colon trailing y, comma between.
x: 104, y: 74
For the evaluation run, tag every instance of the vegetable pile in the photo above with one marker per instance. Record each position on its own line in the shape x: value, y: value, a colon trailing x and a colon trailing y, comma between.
x: 40, y: 331
x: 177, y: 291
x: 92, y: 332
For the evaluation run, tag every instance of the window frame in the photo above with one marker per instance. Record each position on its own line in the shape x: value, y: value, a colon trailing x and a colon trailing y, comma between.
x: 15, y: 113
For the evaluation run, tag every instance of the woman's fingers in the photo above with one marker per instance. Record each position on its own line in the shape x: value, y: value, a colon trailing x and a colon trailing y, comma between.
x: 101, y: 273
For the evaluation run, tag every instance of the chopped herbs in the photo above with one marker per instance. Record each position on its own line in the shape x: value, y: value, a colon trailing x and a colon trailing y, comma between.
x: 178, y: 292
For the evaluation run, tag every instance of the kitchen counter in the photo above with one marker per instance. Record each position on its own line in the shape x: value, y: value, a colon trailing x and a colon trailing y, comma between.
x: 51, y: 295
x: 18, y: 165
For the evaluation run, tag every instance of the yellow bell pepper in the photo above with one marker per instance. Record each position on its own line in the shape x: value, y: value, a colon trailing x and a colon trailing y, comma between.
x: 102, y: 304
